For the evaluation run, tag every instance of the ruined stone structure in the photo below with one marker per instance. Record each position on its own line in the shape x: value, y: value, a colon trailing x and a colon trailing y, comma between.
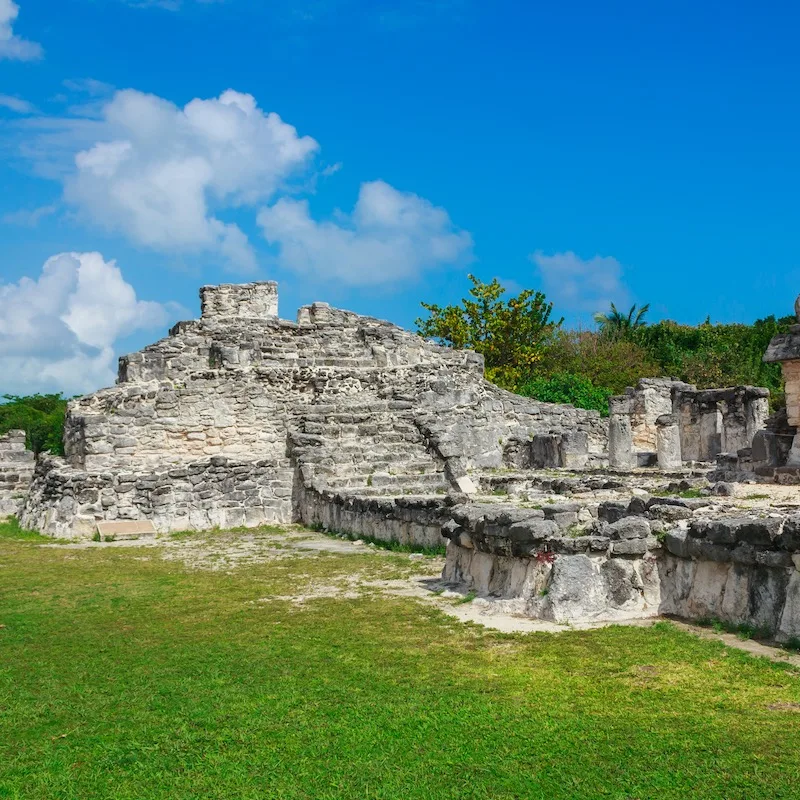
x: 346, y: 422
x: 666, y: 422
x: 241, y: 418
x: 772, y: 454
x: 16, y: 472
x: 785, y: 349
x: 634, y: 557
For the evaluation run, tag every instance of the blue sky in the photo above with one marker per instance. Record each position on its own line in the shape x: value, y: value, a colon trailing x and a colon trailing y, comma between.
x: 626, y: 151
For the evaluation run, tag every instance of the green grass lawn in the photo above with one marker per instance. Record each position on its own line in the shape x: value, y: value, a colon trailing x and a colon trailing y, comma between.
x: 124, y: 675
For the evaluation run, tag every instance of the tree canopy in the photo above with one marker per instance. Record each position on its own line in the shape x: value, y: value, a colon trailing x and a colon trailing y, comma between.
x: 41, y: 416
x: 529, y: 352
x: 511, y: 334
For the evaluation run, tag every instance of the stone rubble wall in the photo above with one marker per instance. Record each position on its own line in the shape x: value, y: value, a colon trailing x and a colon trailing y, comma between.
x: 709, y: 421
x: 217, y: 492
x: 533, y: 556
x: 240, y: 300
x: 16, y: 472
x: 415, y: 521
x: 740, y: 570
x: 651, y: 399
x: 714, y: 421
x: 659, y: 556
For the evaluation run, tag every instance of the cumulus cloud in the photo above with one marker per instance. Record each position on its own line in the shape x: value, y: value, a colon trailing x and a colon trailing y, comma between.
x: 159, y: 173
x: 581, y: 285
x: 389, y: 236
x: 11, y: 45
x: 58, y: 332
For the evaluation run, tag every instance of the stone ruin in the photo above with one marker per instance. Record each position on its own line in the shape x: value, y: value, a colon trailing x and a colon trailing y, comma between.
x: 665, y: 422
x: 16, y: 472
x: 354, y: 425
x: 241, y: 418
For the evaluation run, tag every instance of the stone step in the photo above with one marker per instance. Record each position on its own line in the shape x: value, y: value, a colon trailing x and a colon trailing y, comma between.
x: 408, y: 490
x: 383, y: 479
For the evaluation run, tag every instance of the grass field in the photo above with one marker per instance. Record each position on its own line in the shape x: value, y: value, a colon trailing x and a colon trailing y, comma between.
x: 128, y: 674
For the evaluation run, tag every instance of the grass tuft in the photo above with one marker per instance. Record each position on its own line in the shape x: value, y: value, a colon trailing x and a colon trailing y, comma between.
x: 10, y: 529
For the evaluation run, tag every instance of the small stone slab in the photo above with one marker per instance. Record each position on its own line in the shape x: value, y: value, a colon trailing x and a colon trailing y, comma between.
x: 125, y: 529
x: 466, y: 485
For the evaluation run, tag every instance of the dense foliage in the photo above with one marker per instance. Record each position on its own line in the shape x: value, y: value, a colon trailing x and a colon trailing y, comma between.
x: 511, y: 334
x: 715, y: 355
x: 41, y: 416
x: 541, y: 359
x: 566, y: 387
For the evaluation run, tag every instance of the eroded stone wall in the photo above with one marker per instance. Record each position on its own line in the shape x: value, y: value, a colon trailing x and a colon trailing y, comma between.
x: 16, y: 472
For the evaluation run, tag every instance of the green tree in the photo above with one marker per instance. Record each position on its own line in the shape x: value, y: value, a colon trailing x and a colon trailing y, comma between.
x: 41, y: 416
x: 616, y: 323
x: 510, y: 334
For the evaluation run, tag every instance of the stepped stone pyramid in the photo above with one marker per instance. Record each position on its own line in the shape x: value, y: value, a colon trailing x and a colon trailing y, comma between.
x: 241, y: 418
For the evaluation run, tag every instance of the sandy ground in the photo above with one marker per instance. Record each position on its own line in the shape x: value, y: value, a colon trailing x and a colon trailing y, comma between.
x: 227, y: 551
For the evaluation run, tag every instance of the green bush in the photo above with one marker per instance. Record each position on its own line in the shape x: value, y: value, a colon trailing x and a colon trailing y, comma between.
x: 566, y: 387
x: 607, y: 361
x: 41, y: 416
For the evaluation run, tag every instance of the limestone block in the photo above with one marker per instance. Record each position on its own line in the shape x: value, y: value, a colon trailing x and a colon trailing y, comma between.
x: 668, y: 442
x: 620, y: 443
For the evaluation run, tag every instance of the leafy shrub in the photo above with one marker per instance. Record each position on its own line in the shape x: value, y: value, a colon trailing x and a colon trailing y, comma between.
x: 606, y: 361
x: 41, y: 416
x: 566, y: 387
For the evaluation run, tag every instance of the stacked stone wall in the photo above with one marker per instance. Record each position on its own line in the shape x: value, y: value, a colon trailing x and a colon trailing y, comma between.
x: 16, y: 472
x: 740, y: 570
x: 217, y: 492
x: 415, y: 521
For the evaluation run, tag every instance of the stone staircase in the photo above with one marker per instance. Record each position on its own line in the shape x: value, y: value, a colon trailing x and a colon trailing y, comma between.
x: 368, y: 450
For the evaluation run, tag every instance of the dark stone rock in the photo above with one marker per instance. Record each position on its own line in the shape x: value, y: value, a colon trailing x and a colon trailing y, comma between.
x: 789, y: 537
x: 637, y: 506
x: 773, y: 559
x: 622, y: 581
x: 704, y: 550
x: 630, y: 547
x: 676, y: 542
x: 629, y: 528
x: 611, y: 510
x: 532, y: 530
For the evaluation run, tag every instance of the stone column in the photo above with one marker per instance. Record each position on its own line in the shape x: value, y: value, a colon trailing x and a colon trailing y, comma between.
x: 668, y: 442
x: 710, y: 431
x: 620, y: 433
x: 785, y: 349
x: 756, y: 410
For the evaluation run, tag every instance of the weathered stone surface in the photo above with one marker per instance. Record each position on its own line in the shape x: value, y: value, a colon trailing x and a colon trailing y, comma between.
x: 629, y: 528
x: 620, y: 442
x: 16, y: 472
x: 668, y: 442
x: 675, y: 541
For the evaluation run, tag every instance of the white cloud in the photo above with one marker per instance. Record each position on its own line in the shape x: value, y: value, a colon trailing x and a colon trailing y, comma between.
x: 158, y: 173
x: 28, y: 218
x: 16, y: 104
x: 11, y: 45
x: 389, y: 236
x: 58, y: 332
x: 581, y: 285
